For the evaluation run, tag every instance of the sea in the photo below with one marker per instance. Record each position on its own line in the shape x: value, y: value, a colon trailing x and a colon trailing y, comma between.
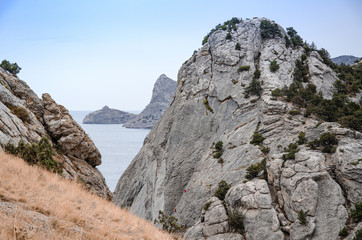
x: 118, y: 145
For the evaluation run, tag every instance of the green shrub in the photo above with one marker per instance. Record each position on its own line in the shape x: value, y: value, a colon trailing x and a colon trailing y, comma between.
x: 222, y: 189
x: 206, y: 206
x: 236, y: 221
x: 343, y: 232
x: 291, y: 151
x: 217, y: 154
x: 243, y: 69
x: 253, y: 170
x: 265, y: 150
x: 301, y: 71
x: 237, y: 46
x: 294, y: 112
x: 295, y: 39
x: 274, y: 66
x: 40, y: 153
x: 356, y: 213
x: 228, y: 25
x: 257, y: 138
x: 302, y: 217
x: 10, y: 67
x: 254, y: 88
x: 169, y: 223
x: 221, y: 161
x: 358, y: 235
x: 328, y: 140
x: 301, y: 138
x: 257, y: 73
x: 269, y: 30
x: 287, y: 41
x: 228, y: 36
x: 219, y: 146
x: 206, y: 103
x: 276, y: 92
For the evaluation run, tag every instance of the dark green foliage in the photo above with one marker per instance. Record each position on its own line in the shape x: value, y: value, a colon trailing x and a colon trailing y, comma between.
x: 287, y: 41
x: 269, y: 30
x: 327, y: 58
x: 257, y: 73
x: 220, y: 161
x: 243, y: 68
x: 356, y: 213
x: 219, y: 145
x: 257, y: 138
x: 276, y: 92
x: 169, y: 223
x: 237, y: 46
x: 265, y: 150
x: 236, y: 221
x: 228, y: 25
x: 20, y: 112
x: 253, y: 170
x: 217, y: 154
x: 343, y: 232
x: 294, y: 112
x: 302, y: 217
x: 301, y: 138
x: 301, y: 71
x: 295, y: 39
x: 274, y: 66
x: 206, y: 103
x: 291, y: 151
x: 222, y: 189
x: 327, y: 141
x: 206, y: 206
x: 41, y: 153
x: 10, y: 67
x: 228, y: 36
x: 254, y: 88
x: 358, y: 235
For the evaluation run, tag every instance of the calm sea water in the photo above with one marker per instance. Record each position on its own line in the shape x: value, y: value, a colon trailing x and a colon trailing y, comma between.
x: 118, y: 145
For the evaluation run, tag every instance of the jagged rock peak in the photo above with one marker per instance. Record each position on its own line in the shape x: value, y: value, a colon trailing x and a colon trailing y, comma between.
x: 108, y: 115
x: 216, y: 102
x: 162, y: 93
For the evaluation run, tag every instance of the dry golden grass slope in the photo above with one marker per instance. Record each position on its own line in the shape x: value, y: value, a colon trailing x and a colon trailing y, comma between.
x: 36, y: 204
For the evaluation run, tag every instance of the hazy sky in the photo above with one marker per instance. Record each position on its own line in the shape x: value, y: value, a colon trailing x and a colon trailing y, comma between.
x: 89, y: 53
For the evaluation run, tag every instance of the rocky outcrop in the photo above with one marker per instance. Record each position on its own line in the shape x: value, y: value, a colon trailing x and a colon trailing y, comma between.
x: 27, y: 118
x: 162, y: 94
x: 210, y: 105
x: 108, y: 116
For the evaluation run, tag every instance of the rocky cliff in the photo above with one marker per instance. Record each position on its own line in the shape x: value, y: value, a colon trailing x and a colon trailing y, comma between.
x: 229, y: 120
x: 26, y: 118
x: 162, y: 93
x: 107, y: 115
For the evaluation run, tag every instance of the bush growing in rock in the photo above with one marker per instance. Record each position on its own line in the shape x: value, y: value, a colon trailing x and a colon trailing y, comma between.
x: 236, y: 221
x: 228, y: 36
x: 358, y: 235
x: 253, y: 170
x: 237, y: 46
x: 169, y: 223
x: 302, y: 217
x: 222, y: 189
x: 20, y: 112
x: 243, y: 68
x: 269, y: 30
x: 301, y: 138
x: 274, y: 66
x: 291, y: 151
x: 356, y: 213
x: 206, y: 206
x: 343, y: 232
x: 10, y: 67
x: 206, y: 103
x: 257, y: 138
x: 228, y: 25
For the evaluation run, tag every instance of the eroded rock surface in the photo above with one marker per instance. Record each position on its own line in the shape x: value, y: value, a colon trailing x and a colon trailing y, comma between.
x: 210, y: 106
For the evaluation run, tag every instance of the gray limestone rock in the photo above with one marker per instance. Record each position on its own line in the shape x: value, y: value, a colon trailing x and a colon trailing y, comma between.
x: 162, y: 94
x: 45, y: 118
x: 178, y: 153
x: 108, y: 116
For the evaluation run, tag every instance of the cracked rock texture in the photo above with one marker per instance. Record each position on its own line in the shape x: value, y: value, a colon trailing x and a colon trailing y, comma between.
x: 79, y: 156
x: 162, y: 93
x: 209, y: 106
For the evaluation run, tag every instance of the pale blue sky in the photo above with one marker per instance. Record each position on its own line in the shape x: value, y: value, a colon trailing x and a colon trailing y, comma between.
x: 89, y: 53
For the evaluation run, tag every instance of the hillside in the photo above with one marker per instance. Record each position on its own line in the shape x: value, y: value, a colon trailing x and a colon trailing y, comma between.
x: 37, y: 204
x: 345, y: 59
x: 262, y: 141
x: 162, y: 94
x: 108, y: 115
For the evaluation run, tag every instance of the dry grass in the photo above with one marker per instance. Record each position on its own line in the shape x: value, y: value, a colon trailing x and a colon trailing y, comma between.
x: 36, y: 204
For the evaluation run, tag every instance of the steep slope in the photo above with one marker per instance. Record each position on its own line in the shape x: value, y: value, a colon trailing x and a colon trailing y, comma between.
x: 26, y: 118
x: 178, y: 168
x: 36, y: 204
x: 162, y: 93
x: 345, y: 59
x: 107, y: 115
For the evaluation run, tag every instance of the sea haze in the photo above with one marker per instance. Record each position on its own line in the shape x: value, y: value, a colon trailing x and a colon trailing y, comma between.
x: 118, y: 145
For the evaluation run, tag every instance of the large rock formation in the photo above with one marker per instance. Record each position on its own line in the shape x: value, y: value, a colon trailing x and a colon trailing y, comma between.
x: 210, y: 105
x: 108, y: 116
x: 162, y: 93
x: 24, y: 117
x: 345, y: 59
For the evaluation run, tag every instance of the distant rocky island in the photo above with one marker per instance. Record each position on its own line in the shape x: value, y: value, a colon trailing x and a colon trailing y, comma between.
x: 345, y: 59
x: 162, y: 94
x: 108, y: 115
